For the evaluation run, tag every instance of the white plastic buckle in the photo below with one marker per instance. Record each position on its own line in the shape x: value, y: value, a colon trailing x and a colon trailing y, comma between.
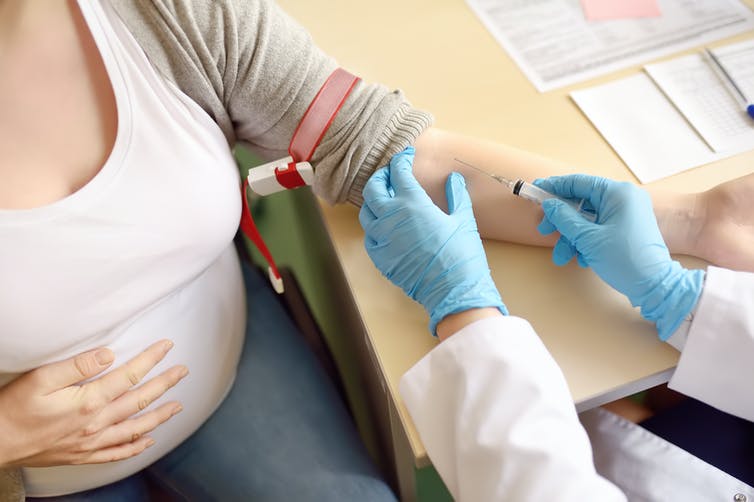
x: 262, y: 179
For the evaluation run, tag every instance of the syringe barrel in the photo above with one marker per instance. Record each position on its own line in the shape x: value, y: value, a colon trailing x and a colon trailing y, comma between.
x: 536, y: 194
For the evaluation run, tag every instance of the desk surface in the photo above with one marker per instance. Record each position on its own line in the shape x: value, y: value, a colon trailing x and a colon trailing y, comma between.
x: 447, y: 63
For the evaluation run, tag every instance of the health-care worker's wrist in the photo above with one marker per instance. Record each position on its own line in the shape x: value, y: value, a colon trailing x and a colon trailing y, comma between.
x: 454, y: 323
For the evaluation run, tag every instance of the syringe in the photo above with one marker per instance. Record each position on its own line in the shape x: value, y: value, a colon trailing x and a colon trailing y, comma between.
x: 532, y: 192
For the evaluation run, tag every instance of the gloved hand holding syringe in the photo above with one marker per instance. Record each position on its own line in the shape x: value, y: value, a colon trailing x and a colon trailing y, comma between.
x: 533, y: 193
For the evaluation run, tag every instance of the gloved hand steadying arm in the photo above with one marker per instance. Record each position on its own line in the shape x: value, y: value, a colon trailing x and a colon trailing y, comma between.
x: 624, y: 246
x: 436, y: 258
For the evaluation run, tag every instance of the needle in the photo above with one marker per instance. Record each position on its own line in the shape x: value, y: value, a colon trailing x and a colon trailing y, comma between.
x: 496, y: 177
x: 533, y: 193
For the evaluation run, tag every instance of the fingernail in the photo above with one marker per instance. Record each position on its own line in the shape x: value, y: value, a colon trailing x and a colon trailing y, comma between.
x: 168, y: 345
x: 104, y: 356
x: 183, y: 373
x: 178, y: 408
x: 149, y: 443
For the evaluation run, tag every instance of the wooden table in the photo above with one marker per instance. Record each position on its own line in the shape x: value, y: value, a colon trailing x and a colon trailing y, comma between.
x: 446, y: 62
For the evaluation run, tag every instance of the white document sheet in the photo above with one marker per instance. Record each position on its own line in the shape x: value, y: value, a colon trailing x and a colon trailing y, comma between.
x: 693, y: 86
x: 644, y: 128
x: 554, y: 44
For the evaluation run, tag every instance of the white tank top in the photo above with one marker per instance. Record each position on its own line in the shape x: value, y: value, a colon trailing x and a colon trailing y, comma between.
x: 142, y: 252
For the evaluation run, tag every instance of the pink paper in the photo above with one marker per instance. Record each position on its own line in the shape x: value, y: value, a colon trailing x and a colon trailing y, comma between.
x: 598, y: 10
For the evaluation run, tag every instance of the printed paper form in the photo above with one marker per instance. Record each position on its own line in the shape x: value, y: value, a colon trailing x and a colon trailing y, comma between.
x: 696, y: 90
x: 554, y: 45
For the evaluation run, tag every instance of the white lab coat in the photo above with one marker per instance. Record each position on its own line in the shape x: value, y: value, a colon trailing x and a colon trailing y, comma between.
x: 495, y: 414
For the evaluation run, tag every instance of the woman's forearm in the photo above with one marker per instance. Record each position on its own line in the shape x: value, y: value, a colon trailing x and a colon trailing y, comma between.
x: 503, y: 216
x: 716, y: 225
x: 500, y: 215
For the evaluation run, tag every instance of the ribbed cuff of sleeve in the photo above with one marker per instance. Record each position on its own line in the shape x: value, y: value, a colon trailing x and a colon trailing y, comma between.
x: 401, y: 131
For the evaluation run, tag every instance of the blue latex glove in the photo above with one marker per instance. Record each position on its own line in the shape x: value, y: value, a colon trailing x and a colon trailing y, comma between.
x: 436, y: 258
x: 624, y: 246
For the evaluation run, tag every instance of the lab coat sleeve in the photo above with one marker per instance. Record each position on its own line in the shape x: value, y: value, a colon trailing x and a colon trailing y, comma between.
x: 498, y: 421
x: 717, y: 361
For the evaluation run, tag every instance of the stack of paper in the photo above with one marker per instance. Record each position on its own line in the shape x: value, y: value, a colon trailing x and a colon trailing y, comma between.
x: 677, y: 116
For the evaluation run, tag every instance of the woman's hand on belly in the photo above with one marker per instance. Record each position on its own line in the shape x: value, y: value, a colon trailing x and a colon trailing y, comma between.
x: 49, y: 417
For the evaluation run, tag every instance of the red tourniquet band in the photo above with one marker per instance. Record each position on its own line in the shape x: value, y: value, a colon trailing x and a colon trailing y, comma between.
x: 309, y: 132
x: 320, y: 114
x: 249, y: 228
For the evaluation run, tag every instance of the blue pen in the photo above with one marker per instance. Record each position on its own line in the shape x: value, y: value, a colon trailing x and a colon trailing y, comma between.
x: 728, y: 81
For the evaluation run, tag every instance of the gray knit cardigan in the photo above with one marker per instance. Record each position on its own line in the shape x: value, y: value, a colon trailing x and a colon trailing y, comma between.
x: 254, y: 71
